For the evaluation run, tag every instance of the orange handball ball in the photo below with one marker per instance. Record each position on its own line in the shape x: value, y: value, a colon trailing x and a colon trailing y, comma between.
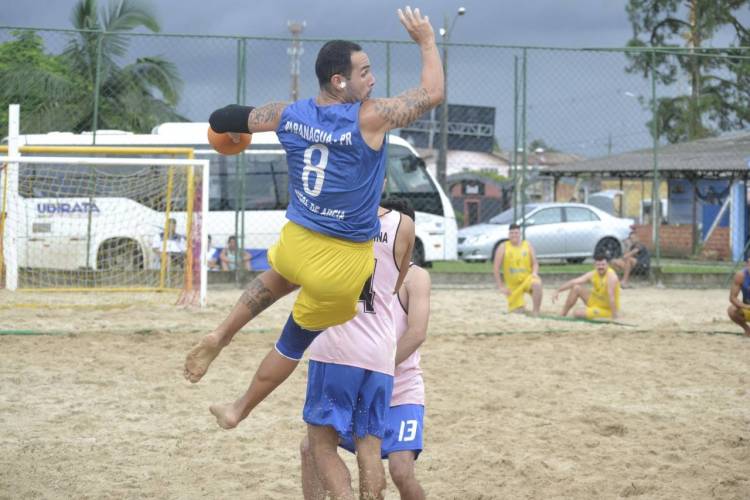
x: 224, y: 144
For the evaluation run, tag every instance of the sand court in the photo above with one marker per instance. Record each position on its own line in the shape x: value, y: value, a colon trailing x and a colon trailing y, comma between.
x: 516, y: 407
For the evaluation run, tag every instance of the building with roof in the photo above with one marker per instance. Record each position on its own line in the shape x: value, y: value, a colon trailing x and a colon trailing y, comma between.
x: 476, y: 198
x: 706, y: 206
x: 459, y: 161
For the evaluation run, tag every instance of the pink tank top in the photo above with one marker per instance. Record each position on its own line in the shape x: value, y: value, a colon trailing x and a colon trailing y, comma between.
x: 408, y: 385
x: 369, y: 340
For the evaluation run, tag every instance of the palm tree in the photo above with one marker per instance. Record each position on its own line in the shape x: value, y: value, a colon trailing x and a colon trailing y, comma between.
x: 48, y: 91
x: 136, y: 96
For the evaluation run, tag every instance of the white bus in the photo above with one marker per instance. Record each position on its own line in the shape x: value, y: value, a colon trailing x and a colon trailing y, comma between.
x: 260, y: 209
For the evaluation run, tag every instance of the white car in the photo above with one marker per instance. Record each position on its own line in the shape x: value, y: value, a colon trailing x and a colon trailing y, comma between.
x: 570, y: 231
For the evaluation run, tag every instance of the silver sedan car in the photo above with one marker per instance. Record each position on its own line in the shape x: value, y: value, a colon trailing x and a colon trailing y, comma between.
x: 570, y: 231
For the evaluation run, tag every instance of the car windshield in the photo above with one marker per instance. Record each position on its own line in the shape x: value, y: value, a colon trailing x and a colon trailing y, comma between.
x: 506, y: 217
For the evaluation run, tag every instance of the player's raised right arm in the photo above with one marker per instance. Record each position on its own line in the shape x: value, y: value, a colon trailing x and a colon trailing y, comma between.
x: 378, y: 116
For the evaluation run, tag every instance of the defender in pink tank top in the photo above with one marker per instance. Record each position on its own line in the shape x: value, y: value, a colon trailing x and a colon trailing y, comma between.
x: 403, y: 439
x: 350, y: 373
x: 368, y: 341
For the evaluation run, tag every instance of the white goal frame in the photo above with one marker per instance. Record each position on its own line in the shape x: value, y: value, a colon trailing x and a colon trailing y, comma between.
x: 9, y: 191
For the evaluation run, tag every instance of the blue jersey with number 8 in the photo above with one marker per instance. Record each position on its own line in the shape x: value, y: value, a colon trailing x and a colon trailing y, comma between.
x: 335, y: 178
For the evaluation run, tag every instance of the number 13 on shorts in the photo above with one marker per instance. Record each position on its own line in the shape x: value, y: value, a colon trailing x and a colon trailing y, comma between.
x: 408, y: 430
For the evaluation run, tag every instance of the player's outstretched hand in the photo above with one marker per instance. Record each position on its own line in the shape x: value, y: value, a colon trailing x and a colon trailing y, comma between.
x: 418, y: 26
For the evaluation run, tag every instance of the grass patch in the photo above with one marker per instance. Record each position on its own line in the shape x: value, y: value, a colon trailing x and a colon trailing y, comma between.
x: 684, y: 267
x: 28, y: 332
x: 696, y: 269
x: 460, y: 266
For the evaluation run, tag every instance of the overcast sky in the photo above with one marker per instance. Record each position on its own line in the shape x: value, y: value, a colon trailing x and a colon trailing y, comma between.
x: 538, y: 22
x: 568, y: 23
x: 575, y: 99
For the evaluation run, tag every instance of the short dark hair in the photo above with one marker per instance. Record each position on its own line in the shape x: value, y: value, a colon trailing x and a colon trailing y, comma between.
x: 399, y: 205
x: 514, y: 226
x: 231, y: 239
x: 601, y: 256
x: 335, y: 57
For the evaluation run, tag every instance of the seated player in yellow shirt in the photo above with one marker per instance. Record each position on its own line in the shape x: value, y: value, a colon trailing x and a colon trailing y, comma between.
x: 602, y: 301
x: 739, y: 309
x: 520, y: 268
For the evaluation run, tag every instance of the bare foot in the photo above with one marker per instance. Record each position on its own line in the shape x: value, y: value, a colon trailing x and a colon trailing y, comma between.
x: 226, y: 415
x: 200, y: 357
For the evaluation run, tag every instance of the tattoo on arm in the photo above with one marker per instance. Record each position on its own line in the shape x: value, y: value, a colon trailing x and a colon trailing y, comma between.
x: 401, y: 110
x: 257, y: 297
x: 265, y: 116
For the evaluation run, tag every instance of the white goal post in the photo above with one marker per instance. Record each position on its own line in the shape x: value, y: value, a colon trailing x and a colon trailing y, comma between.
x: 93, y: 223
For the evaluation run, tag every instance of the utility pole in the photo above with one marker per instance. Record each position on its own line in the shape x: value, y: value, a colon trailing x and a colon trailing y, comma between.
x: 442, y: 159
x: 295, y: 52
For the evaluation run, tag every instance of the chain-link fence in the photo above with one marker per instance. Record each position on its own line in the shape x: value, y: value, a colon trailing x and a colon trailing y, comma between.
x: 643, y: 129
x: 523, y: 126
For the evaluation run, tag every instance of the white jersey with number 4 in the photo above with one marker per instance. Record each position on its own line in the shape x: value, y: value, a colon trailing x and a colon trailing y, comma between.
x: 369, y: 340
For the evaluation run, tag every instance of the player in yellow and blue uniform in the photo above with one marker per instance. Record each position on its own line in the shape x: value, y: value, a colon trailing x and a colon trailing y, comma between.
x: 520, y: 276
x: 335, y: 147
x: 602, y: 301
x: 326, y: 247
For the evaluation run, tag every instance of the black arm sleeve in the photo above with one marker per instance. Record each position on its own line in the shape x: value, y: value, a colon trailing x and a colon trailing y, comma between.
x: 232, y: 118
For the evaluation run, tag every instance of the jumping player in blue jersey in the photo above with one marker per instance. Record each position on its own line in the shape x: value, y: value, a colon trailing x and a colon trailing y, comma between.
x: 336, y: 155
x: 739, y: 309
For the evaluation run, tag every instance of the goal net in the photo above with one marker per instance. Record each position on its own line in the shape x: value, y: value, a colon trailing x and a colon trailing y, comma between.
x: 73, y: 222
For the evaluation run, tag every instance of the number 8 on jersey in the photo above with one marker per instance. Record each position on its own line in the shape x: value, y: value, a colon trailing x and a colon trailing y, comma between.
x: 319, y: 169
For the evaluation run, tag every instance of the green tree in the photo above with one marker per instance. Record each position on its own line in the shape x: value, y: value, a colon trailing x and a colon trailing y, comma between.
x: 56, y: 92
x: 47, y: 90
x: 539, y: 143
x: 719, y: 80
x: 133, y: 97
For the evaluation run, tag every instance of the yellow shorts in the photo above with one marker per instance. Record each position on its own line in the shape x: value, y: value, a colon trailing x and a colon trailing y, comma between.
x: 330, y: 272
x: 746, y: 314
x: 515, y: 299
x: 595, y: 312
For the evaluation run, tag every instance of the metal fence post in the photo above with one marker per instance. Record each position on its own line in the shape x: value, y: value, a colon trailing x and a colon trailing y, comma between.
x: 388, y: 69
x: 442, y: 159
x: 655, y: 198
x: 242, y: 99
x: 239, y: 163
x: 94, y: 127
x: 97, y: 84
x: 524, y: 155
x: 514, y: 156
